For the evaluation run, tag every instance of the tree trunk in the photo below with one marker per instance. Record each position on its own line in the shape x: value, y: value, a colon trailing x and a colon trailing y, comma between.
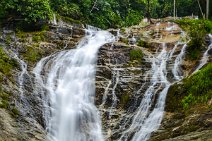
x: 207, y: 9
x: 148, y: 12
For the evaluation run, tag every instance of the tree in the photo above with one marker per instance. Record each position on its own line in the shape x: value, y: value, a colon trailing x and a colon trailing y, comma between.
x: 28, y: 10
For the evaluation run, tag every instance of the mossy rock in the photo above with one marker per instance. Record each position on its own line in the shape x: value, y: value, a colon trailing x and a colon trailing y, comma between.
x: 6, y: 63
x: 124, y: 40
x: 136, y: 55
x: 32, y: 54
x: 70, y: 20
x: 124, y: 99
x: 191, y: 91
x: 15, y: 112
x: 143, y: 43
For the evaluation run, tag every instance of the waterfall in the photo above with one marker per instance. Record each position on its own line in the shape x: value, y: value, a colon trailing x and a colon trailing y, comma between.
x: 158, y: 79
x: 145, y: 121
x: 65, y: 81
x: 54, y: 22
x: 22, y: 103
x: 116, y: 78
x: 205, y: 56
x: 70, y: 85
x: 177, y: 65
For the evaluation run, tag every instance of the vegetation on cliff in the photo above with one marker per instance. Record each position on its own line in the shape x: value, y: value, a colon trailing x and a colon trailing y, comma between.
x: 196, y: 29
x: 104, y: 14
x: 6, y: 65
x: 192, y: 91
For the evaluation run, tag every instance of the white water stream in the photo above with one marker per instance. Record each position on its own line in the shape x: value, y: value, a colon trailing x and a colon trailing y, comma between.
x: 205, y: 56
x: 177, y: 72
x: 70, y: 84
x: 146, y: 121
x: 66, y: 83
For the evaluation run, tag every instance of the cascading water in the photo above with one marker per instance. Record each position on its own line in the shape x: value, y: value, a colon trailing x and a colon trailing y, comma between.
x: 66, y: 83
x: 177, y: 72
x: 145, y: 121
x: 158, y: 80
x: 205, y: 57
x: 22, y: 103
x: 70, y: 84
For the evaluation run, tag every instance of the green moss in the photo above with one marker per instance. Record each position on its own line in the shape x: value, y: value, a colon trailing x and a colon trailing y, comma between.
x: 187, y: 100
x: 45, y: 27
x: 14, y: 112
x: 36, y: 38
x: 4, y: 104
x: 4, y: 99
x: 143, y: 43
x: 191, y: 24
x: 136, y: 54
x: 124, y: 100
x: 124, y: 40
x: 70, y: 20
x: 4, y: 96
x: 8, y: 39
x: 193, y: 91
x: 33, y: 54
x: 6, y: 63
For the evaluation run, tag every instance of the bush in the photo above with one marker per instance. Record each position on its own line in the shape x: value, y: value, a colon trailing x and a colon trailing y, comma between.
x: 30, y: 11
x: 197, y: 29
x: 192, y: 91
x: 143, y: 43
x: 136, y: 55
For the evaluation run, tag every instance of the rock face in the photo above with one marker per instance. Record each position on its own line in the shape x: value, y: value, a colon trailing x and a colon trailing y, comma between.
x: 21, y: 116
x: 177, y: 126
x: 121, y: 80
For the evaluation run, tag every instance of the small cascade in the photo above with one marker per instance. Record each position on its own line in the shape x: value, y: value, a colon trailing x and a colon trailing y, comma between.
x: 70, y: 86
x: 114, y: 97
x: 205, y: 56
x: 177, y: 72
x: 148, y: 116
x: 117, y: 35
x: 39, y: 90
x: 158, y: 82
x: 173, y: 50
x: 104, y: 98
x: 22, y: 102
x: 54, y: 22
x: 157, y: 30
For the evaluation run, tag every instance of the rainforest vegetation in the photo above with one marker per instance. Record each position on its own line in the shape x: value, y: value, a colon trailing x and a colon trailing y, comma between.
x: 100, y: 13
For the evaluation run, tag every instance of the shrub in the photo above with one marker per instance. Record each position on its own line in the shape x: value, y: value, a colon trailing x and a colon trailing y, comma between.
x: 136, y: 55
x: 143, y: 43
x: 193, y: 90
x: 197, y: 29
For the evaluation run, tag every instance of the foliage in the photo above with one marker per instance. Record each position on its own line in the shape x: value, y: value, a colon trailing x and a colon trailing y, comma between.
x: 6, y: 63
x: 30, y: 11
x: 143, y: 43
x: 100, y: 13
x: 192, y: 91
x: 32, y: 53
x: 4, y: 103
x: 136, y: 55
x: 195, y: 25
x: 124, y: 100
x: 197, y: 29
